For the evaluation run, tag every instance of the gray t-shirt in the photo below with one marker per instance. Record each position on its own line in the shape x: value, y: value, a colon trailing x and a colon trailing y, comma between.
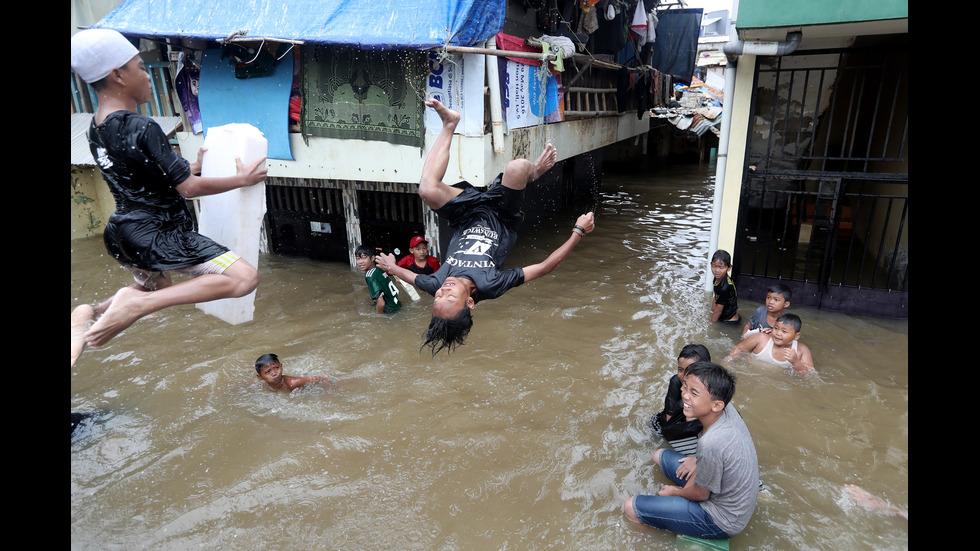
x: 728, y: 467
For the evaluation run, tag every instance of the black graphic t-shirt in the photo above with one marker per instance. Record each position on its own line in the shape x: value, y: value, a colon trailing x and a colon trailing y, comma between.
x: 151, y: 227
x: 477, y: 250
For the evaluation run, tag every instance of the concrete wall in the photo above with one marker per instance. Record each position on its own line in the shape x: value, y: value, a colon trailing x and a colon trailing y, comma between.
x: 91, y: 202
x: 471, y: 158
x: 782, y: 13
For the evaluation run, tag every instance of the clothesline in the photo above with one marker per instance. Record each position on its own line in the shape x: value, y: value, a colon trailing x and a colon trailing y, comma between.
x: 500, y: 53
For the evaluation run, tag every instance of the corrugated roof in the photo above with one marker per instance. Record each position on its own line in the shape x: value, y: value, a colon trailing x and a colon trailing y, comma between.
x: 378, y: 24
x: 81, y: 154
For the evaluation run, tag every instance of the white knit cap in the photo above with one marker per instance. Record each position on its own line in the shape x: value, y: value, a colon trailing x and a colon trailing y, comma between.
x: 96, y: 52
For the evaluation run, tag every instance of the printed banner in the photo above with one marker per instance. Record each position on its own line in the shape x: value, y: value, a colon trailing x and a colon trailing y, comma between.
x: 531, y: 95
x: 447, y: 84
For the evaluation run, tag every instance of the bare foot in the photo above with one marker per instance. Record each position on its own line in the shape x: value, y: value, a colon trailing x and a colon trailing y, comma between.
x: 449, y: 117
x: 122, y: 313
x: 81, y: 318
x: 864, y: 499
x: 545, y: 161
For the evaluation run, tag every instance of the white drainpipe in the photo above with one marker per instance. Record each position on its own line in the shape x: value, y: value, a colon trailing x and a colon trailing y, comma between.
x: 496, y: 115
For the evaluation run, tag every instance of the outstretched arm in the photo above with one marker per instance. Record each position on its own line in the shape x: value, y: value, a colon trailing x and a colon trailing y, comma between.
x: 748, y: 345
x: 292, y: 383
x: 587, y: 223
x: 387, y: 263
x: 196, y: 186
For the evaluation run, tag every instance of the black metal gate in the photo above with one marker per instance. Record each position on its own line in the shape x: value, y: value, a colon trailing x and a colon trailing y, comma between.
x: 824, y: 204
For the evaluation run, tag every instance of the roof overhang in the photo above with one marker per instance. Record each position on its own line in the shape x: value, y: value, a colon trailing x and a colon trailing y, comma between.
x: 380, y: 24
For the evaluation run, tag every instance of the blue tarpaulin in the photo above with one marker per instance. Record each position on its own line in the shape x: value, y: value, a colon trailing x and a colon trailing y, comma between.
x: 376, y: 24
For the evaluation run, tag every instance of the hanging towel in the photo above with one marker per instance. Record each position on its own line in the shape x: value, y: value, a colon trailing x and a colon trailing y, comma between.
x: 639, y: 24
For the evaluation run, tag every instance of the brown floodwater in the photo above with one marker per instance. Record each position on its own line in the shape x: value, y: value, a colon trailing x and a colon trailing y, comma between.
x: 528, y: 437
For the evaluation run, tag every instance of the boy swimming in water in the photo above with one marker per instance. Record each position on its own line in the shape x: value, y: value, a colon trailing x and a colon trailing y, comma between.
x: 151, y: 232
x: 269, y: 370
x: 780, y: 347
x: 484, y: 226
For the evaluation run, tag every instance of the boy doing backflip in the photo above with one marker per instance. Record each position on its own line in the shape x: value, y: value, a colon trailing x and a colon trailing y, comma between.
x: 151, y: 232
x: 716, y: 491
x: 484, y: 227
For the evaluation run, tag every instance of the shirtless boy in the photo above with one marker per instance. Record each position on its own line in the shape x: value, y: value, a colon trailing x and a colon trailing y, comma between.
x: 269, y: 370
x: 484, y: 233
x: 151, y: 231
x: 780, y: 347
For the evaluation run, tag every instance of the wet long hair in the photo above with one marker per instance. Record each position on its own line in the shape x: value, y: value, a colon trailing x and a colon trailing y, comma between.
x: 447, y: 333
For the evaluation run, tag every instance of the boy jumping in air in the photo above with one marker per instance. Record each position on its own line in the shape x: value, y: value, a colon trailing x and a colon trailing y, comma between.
x: 151, y: 232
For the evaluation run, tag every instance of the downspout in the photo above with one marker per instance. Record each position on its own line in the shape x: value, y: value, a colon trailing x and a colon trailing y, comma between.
x: 732, y: 50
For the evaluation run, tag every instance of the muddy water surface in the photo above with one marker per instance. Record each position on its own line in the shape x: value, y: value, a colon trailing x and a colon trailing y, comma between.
x: 529, y: 437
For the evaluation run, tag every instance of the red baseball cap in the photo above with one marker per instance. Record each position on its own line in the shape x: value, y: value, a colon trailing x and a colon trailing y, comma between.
x: 416, y: 240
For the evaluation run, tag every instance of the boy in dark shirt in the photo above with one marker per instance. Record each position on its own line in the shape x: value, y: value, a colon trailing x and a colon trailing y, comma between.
x: 764, y: 317
x: 680, y: 433
x: 151, y: 232
x: 725, y: 306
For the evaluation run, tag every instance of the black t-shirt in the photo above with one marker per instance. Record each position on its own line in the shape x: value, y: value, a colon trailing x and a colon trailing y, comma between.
x: 677, y: 427
x: 478, y: 248
x: 151, y: 227
x: 727, y: 296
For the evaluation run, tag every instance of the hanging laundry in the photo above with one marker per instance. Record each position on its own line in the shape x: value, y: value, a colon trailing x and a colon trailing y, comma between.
x: 639, y: 25
x: 652, y: 21
x: 517, y: 44
x: 588, y: 20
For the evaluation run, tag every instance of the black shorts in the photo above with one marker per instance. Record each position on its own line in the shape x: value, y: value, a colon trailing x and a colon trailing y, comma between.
x: 505, y: 203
